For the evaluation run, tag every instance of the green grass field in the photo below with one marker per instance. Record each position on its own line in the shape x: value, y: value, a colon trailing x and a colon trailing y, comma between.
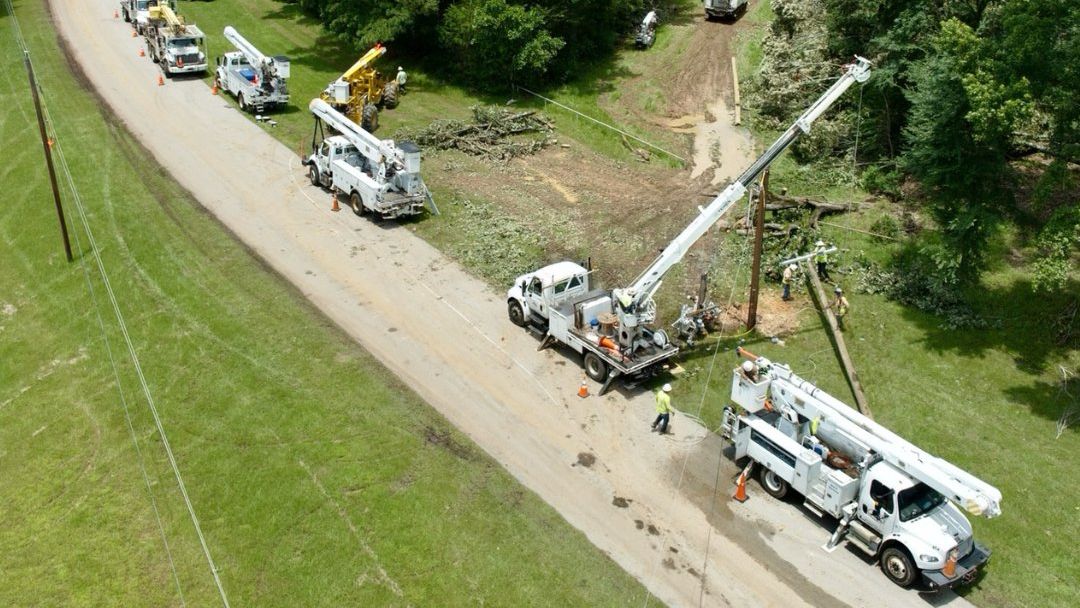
x: 317, y: 477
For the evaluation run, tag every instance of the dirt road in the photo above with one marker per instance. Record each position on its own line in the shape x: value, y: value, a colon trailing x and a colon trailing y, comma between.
x: 644, y: 499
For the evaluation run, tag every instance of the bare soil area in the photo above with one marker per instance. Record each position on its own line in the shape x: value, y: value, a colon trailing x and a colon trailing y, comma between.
x: 651, y: 502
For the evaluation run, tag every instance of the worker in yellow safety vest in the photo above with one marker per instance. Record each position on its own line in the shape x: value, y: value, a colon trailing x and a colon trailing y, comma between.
x: 789, y: 277
x: 822, y: 260
x: 840, y: 307
x: 663, y: 409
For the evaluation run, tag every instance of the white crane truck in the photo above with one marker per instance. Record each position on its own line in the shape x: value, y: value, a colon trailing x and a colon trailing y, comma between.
x: 894, y: 502
x: 611, y: 328
x: 258, y: 82
x: 375, y: 175
x: 176, y: 46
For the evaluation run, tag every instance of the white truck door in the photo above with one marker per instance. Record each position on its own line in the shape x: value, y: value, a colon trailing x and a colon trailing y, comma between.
x: 534, y: 298
x: 877, y: 506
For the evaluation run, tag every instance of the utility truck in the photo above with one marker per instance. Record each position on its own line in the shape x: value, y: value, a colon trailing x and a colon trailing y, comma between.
x: 258, y: 82
x: 376, y: 176
x: 894, y: 502
x: 724, y: 9
x: 611, y: 329
x: 179, y: 48
x: 646, y: 34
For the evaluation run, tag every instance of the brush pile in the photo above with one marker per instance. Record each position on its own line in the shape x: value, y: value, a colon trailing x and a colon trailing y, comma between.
x: 495, y: 133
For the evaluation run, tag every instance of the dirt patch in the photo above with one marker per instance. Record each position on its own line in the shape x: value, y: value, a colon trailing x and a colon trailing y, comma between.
x: 669, y: 563
x: 586, y: 459
x: 639, y: 524
x: 653, y: 530
x: 445, y: 440
x: 621, y: 502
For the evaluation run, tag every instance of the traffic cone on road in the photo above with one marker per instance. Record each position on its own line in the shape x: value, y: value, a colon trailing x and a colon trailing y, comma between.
x: 740, y: 487
x: 584, y: 390
x: 160, y: 81
x: 134, y: 33
x: 115, y: 14
x: 336, y: 206
x: 142, y: 52
x: 213, y: 88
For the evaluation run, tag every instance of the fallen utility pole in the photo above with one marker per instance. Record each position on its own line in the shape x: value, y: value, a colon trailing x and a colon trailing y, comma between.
x: 47, y: 146
x: 838, y: 339
x: 759, y: 235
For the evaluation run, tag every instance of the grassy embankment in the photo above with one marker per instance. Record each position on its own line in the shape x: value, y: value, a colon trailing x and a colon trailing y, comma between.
x: 318, y: 478
x: 986, y: 399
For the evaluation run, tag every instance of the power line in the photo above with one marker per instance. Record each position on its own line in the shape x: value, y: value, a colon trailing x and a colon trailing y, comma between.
x: 95, y: 252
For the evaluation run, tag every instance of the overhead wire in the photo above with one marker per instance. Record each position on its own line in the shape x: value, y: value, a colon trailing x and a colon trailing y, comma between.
x: 95, y: 253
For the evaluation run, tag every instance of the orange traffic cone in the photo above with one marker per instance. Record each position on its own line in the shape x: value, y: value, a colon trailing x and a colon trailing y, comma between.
x: 584, y: 390
x: 115, y: 14
x: 336, y: 206
x: 134, y: 33
x: 740, y: 487
x: 142, y: 52
x: 160, y: 81
x: 213, y: 88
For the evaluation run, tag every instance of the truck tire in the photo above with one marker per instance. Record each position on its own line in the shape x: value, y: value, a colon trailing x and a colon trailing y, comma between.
x: 313, y: 173
x: 773, y: 484
x: 515, y: 312
x: 369, y: 119
x: 390, y: 95
x: 897, y: 565
x: 595, y: 367
x: 356, y: 203
x: 244, y: 107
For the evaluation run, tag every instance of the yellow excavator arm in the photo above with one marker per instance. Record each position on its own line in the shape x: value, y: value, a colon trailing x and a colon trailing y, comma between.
x: 376, y: 51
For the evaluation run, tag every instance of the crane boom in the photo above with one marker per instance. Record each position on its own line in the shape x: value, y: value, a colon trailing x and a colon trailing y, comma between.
x: 164, y: 12
x: 369, y: 146
x: 969, y: 492
x: 634, y: 299
x: 254, y: 56
x: 376, y: 51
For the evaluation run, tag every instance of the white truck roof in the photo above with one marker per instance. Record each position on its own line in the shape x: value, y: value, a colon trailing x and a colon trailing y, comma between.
x: 559, y: 271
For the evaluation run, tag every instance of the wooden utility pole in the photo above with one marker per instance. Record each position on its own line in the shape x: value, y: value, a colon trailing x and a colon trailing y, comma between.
x: 46, y: 145
x: 759, y: 230
x: 838, y: 339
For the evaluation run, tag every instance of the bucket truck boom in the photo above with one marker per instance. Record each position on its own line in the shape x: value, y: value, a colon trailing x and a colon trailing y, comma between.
x: 558, y: 297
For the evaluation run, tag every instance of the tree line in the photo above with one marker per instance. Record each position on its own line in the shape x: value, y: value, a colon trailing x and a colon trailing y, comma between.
x: 977, y: 102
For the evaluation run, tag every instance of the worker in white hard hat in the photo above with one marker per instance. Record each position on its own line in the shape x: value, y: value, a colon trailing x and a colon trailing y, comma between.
x: 789, y: 277
x: 839, y: 307
x: 822, y: 260
x: 663, y: 409
x: 750, y: 371
x: 402, y: 78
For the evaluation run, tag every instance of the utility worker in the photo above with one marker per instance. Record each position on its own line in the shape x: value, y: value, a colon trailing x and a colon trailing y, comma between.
x: 663, y: 409
x: 840, y: 307
x: 822, y: 260
x: 402, y: 78
x: 750, y: 371
x: 789, y: 276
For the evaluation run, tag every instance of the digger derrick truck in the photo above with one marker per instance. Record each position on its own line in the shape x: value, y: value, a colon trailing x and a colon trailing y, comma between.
x: 258, y: 82
x: 360, y: 91
x: 376, y: 176
x: 611, y: 329
x: 894, y: 502
x: 179, y: 48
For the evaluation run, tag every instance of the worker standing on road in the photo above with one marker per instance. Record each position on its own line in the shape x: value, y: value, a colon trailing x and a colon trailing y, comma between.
x: 840, y: 307
x: 663, y: 409
x: 402, y: 78
x: 822, y: 260
x: 789, y: 276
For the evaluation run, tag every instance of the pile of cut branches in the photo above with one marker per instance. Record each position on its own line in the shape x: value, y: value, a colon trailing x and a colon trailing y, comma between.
x: 495, y: 133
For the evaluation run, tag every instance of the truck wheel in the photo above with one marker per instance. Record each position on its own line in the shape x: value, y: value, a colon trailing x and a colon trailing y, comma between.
x: 356, y: 203
x: 516, y: 314
x: 243, y: 103
x: 313, y: 173
x: 773, y: 484
x: 595, y: 367
x: 897, y: 565
x: 390, y: 95
x: 369, y: 119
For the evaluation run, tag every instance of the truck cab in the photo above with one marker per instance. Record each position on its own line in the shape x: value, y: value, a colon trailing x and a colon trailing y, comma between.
x: 724, y: 9
x: 137, y: 13
x: 535, y: 294
x: 333, y: 149
x: 181, y: 53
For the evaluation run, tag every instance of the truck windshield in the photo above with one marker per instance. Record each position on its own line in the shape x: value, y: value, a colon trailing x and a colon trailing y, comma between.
x: 182, y: 43
x: 917, y: 501
x: 142, y: 5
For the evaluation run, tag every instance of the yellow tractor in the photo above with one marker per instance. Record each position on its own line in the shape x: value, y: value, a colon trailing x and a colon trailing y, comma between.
x: 361, y: 90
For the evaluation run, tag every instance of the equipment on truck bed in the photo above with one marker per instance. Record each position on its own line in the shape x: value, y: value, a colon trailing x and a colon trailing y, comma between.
x: 257, y: 81
x: 894, y: 501
x: 374, y: 175
x: 611, y: 328
x: 360, y: 91
x: 179, y: 48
